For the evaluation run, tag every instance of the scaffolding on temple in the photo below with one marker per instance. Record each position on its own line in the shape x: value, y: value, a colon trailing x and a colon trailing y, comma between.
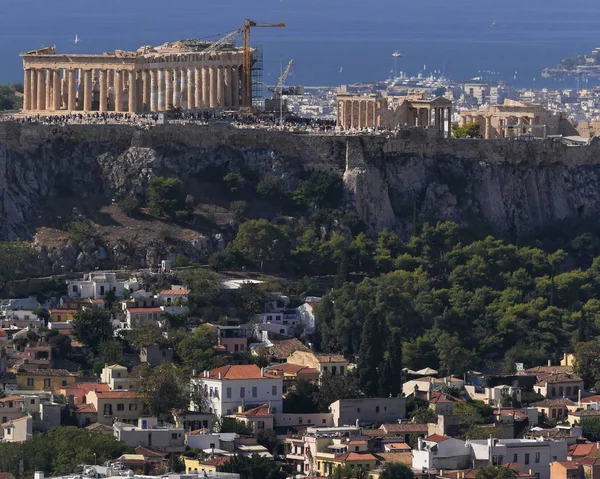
x: 257, y: 77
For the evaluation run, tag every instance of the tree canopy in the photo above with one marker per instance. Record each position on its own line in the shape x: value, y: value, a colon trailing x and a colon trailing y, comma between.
x: 93, y: 327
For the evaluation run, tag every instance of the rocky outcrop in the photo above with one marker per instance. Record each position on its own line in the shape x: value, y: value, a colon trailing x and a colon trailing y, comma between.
x: 510, y: 188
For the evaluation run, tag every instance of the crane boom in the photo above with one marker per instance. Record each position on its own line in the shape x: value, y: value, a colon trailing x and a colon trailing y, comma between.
x: 222, y: 41
x: 247, y: 61
x: 284, y: 75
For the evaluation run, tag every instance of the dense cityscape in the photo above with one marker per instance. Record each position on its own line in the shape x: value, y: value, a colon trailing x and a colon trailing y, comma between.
x: 203, y: 275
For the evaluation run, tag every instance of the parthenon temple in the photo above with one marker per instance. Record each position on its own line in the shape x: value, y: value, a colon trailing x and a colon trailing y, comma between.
x: 151, y: 79
x: 356, y: 112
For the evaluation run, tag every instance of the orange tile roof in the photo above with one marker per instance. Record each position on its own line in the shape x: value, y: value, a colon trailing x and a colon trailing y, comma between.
x: 175, y: 291
x: 144, y: 451
x: 580, y: 450
x: 591, y: 399
x: 398, y: 446
x: 330, y: 358
x: 68, y: 311
x: 405, y: 457
x: 144, y: 310
x: 86, y: 408
x: 87, y: 387
x: 12, y: 398
x: 436, y: 438
x: 437, y: 397
x: 569, y: 465
x: 216, y: 461
x: 117, y: 395
x: 354, y: 457
x: 293, y: 368
x: 262, y: 410
x: 250, y: 371
x: 407, y: 427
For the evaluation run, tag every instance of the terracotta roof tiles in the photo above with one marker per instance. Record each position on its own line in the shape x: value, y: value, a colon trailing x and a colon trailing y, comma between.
x: 171, y: 292
x: 437, y: 438
x: 354, y: 457
x: 232, y: 372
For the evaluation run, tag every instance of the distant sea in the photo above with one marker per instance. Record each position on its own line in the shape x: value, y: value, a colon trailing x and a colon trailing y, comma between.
x: 331, y: 41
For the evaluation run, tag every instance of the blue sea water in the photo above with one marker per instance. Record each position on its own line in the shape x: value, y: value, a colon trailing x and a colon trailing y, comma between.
x: 331, y: 41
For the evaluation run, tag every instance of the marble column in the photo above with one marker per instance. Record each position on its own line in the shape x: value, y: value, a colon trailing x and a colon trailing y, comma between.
x: 56, y: 92
x: 41, y: 89
x: 213, y: 87
x: 103, y: 100
x: 227, y: 86
x: 191, y: 97
x: 176, y: 99
x: 488, y: 128
x: 161, y: 90
x: 206, y: 85
x: 449, y: 120
x: 220, y: 87
x: 183, y: 89
x: 27, y: 90
x: 48, y: 86
x: 72, y: 95
x: 146, y: 92
x: 168, y: 88
x: 87, y: 90
x: 153, y: 90
x: 133, y: 93
x: 118, y: 89
x: 235, y: 87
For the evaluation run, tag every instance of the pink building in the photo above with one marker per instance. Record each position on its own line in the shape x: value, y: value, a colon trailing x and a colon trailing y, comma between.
x: 76, y: 393
x: 231, y: 338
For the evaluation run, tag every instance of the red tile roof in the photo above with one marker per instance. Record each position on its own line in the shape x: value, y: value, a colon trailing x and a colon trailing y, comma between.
x: 437, y: 397
x: 559, y: 378
x: 250, y: 371
x: 398, y: 446
x: 354, y: 457
x: 591, y: 399
x: 569, y: 465
x: 262, y: 410
x: 2, y: 334
x: 407, y: 427
x: 581, y: 450
x: 216, y: 461
x: 437, y: 438
x: 175, y: 291
x: 117, y: 395
x: 147, y: 453
x: 87, y: 408
x: 144, y: 310
x: 58, y: 311
x: 293, y: 368
x: 87, y: 387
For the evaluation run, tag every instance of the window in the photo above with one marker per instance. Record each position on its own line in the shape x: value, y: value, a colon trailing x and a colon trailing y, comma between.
x: 120, y: 407
x: 356, y: 448
x: 553, y: 391
x: 59, y: 318
x: 515, y: 458
x: 300, y: 420
x: 274, y: 390
x: 357, y: 409
x: 568, y: 391
x: 64, y: 383
x: 342, y: 370
x: 537, y: 457
x: 108, y: 409
x: 242, y: 392
x: 575, y: 390
x: 174, y: 435
x: 254, y: 391
x: 4, y: 419
x: 333, y: 370
x: 47, y: 383
x: 74, y: 289
x: 8, y: 429
x: 101, y: 290
x: 560, y: 391
x: 119, y: 387
x: 260, y: 425
x: 228, y: 393
x: 212, y: 445
x: 229, y: 412
x: 497, y: 460
x: 324, y: 369
x: 376, y: 408
x: 324, y: 421
x: 30, y: 382
x: 274, y: 410
x: 526, y: 458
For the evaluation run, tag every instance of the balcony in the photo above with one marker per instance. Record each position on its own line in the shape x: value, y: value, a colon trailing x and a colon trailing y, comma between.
x: 295, y: 457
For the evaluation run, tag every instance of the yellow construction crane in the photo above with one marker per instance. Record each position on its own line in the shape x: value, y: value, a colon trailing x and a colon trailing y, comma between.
x: 247, y: 63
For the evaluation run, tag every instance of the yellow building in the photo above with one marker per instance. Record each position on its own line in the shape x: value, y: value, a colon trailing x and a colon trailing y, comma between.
x: 210, y: 465
x: 62, y: 315
x: 324, y: 363
x: 110, y: 405
x: 45, y: 380
x: 327, y: 466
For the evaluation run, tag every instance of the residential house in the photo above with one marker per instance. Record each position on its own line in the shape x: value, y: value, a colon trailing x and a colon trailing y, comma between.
x: 566, y: 470
x: 117, y: 378
x: 501, y: 395
x: 259, y: 417
x: 62, y: 328
x: 324, y: 363
x: 49, y: 417
x: 578, y: 451
x: 442, y: 403
x: 193, y: 420
x: 575, y: 417
x: 176, y: 296
x: 44, y: 379
x: 278, y: 350
x: 273, y: 328
x: 86, y: 415
x: 533, y: 455
x: 292, y: 373
x: 141, y: 317
x: 300, y: 421
x: 232, y: 386
x: 19, y: 303
x: 17, y: 430
x: 346, y: 412
x: 76, y: 394
x: 99, y: 283
x: 207, y: 441
x: 438, y: 452
x: 320, y: 444
x: 556, y: 409
x: 126, y: 406
x: 354, y: 460
x: 396, y: 432
x: 11, y: 407
x: 62, y: 315
x: 155, y: 354
x: 430, y: 383
x: 38, y: 355
x: 232, y: 338
x: 149, y: 433
x: 560, y: 385
x: 197, y: 466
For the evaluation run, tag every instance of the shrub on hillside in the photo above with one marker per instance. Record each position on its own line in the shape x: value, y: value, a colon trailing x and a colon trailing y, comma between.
x: 79, y: 231
x: 129, y: 205
x: 165, y: 196
x: 180, y: 261
x: 269, y: 187
x: 239, y: 210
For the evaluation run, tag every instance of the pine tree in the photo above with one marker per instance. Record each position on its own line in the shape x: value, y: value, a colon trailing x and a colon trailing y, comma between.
x: 370, y: 355
x: 395, y: 360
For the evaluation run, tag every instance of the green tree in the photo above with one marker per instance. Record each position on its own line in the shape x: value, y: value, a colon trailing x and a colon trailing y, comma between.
x: 229, y: 424
x: 92, y: 327
x: 165, y: 196
x: 454, y: 359
x: 320, y: 189
x: 587, y: 363
x: 253, y: 467
x: 61, y: 345
x: 301, y: 399
x: 233, y: 181
x: 239, y: 210
x: 424, y: 415
x: 259, y: 241
x: 196, y: 351
x: 336, y: 387
x: 370, y: 355
x: 495, y: 472
x: 269, y: 187
x: 591, y: 428
x: 180, y: 261
x: 468, y: 130
x: 111, y: 352
x: 396, y: 470
x: 162, y: 389
x: 205, y: 287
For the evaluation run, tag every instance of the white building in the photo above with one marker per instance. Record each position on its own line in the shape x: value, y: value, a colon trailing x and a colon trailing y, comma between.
x: 230, y: 387
x: 532, y: 454
x: 148, y: 433
x: 177, y: 295
x: 209, y: 441
x: 98, y: 284
x: 19, y: 303
x: 429, y: 383
x: 117, y: 378
x: 441, y: 452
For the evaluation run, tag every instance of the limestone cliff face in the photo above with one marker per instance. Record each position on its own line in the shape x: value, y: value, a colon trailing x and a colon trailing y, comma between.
x: 511, y: 188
